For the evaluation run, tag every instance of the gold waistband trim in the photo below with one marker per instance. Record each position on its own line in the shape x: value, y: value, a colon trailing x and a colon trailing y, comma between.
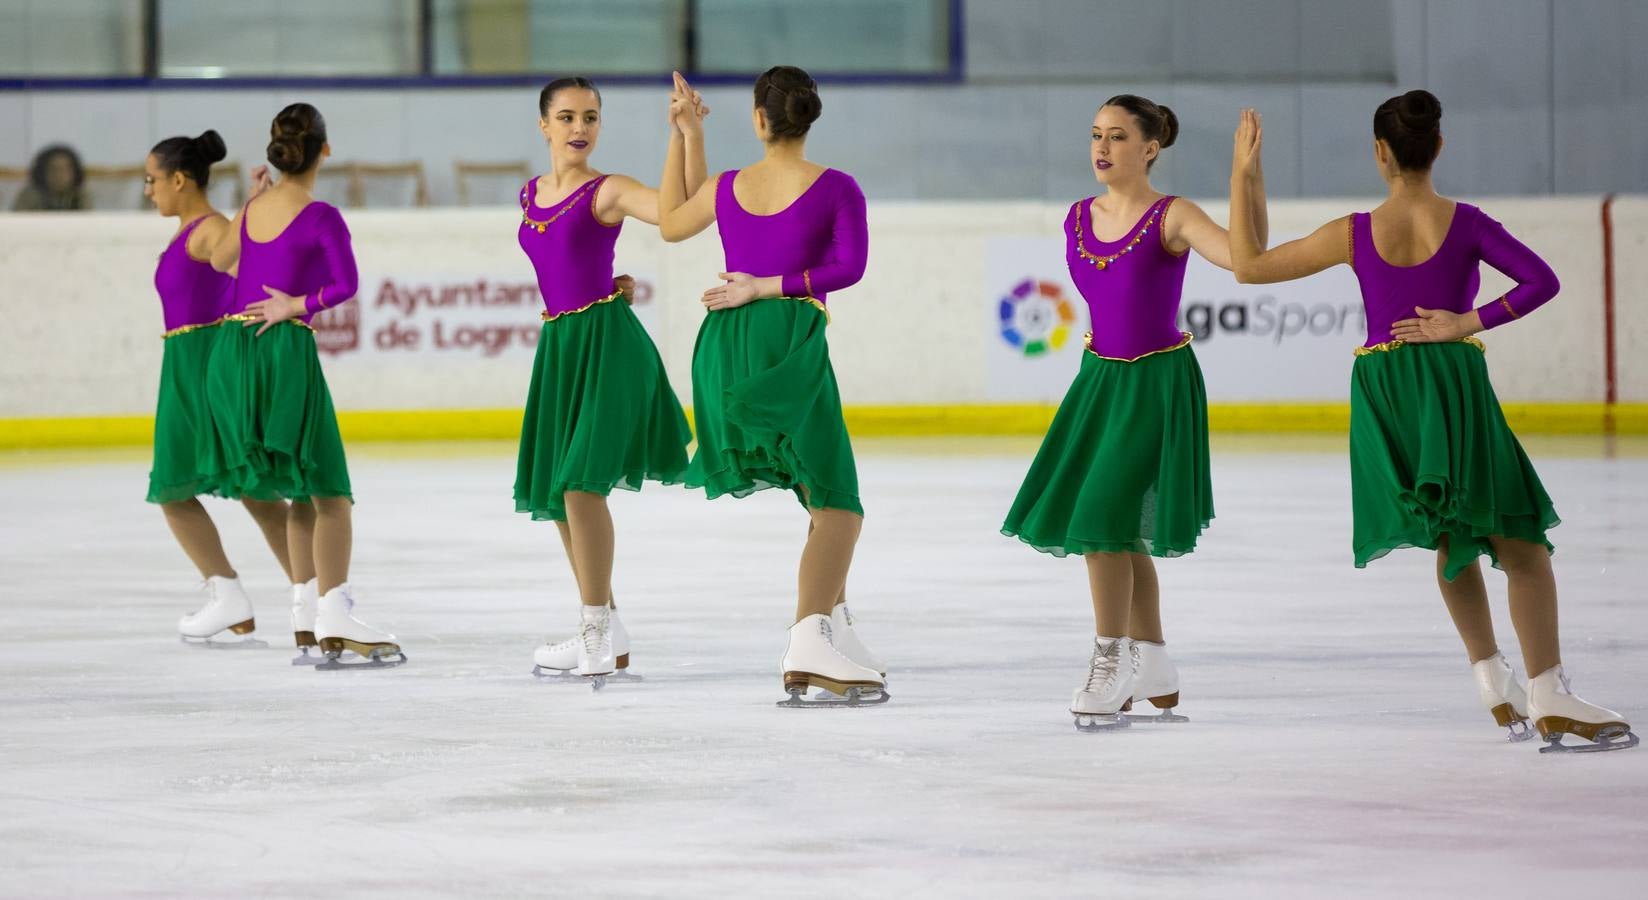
x: 811, y: 301
x: 548, y: 316
x: 185, y: 329
x: 248, y: 317
x: 1184, y: 341
x: 1388, y: 346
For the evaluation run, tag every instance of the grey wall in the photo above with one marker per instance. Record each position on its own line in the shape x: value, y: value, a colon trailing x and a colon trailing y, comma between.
x: 1540, y: 96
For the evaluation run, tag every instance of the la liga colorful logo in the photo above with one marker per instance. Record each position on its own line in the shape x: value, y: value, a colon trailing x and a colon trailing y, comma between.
x: 1036, y: 317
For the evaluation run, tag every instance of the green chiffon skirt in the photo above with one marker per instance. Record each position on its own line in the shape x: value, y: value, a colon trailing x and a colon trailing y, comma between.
x: 276, y: 432
x: 600, y: 413
x: 1431, y: 456
x: 767, y: 409
x: 1124, y: 466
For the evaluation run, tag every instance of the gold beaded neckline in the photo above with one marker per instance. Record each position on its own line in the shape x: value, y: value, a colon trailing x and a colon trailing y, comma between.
x: 539, y: 226
x: 1104, y: 262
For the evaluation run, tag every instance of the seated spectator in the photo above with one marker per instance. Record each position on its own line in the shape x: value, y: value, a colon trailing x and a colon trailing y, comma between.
x: 57, y: 181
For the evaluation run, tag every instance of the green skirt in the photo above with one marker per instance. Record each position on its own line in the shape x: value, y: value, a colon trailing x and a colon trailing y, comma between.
x: 1431, y: 456
x: 183, y: 423
x: 1124, y: 467
x: 276, y: 432
x: 599, y: 414
x: 768, y: 412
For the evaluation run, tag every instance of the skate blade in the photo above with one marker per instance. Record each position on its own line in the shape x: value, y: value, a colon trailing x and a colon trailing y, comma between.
x: 1519, y: 731
x: 569, y: 676
x: 1166, y: 717
x: 248, y: 642
x: 1095, y: 723
x: 376, y: 658
x: 853, y: 697
x: 305, y: 658
x: 1617, y: 738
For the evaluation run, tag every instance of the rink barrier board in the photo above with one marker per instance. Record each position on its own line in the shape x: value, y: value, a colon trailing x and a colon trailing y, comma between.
x: 863, y: 421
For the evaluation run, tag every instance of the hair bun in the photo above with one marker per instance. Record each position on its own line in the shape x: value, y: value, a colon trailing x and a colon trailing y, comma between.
x: 803, y: 106
x: 1419, y: 111
x: 210, y: 146
x: 1170, y: 126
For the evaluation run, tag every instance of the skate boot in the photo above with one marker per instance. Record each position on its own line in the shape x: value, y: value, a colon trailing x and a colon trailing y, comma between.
x: 1108, y: 691
x: 596, y: 659
x: 1155, y: 679
x: 225, y: 621
x: 812, y: 659
x: 337, y: 630
x: 846, y: 640
x: 1556, y: 711
x: 557, y: 662
x: 305, y: 603
x: 1503, y: 695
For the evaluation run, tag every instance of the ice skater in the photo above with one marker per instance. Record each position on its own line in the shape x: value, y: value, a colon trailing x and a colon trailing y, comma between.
x: 194, y: 297
x: 1122, y: 475
x: 600, y: 413
x: 271, y: 410
x: 765, y: 401
x: 1433, y: 463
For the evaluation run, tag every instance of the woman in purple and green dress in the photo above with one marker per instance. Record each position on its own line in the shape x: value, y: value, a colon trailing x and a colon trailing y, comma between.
x: 194, y: 297
x: 1122, y: 475
x: 1433, y: 463
x: 600, y: 413
x: 764, y: 392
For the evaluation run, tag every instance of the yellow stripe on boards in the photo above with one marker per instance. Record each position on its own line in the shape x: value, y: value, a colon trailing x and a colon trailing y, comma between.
x: 862, y: 421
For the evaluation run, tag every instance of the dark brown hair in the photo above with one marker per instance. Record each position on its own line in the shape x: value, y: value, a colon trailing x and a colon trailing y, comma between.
x: 193, y: 156
x: 1412, y: 126
x: 547, y: 95
x: 789, y: 98
x: 295, y: 138
x: 1156, y: 122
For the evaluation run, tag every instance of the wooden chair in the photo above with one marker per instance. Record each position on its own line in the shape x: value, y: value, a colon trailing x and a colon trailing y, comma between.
x: 226, y: 189
x: 11, y: 183
x: 115, y: 187
x: 373, y: 185
x: 489, y: 183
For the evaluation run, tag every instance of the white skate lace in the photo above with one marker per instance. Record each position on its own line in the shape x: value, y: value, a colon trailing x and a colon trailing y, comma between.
x: 1101, y: 670
x: 590, y: 633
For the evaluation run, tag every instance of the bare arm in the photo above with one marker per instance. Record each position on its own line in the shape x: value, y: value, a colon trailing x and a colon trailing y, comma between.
x: 1326, y: 247
x: 206, y: 236
x: 225, y: 249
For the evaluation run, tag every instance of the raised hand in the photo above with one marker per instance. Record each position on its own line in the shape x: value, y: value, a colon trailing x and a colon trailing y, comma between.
x: 1435, y: 326
x: 687, y: 107
x: 738, y: 290
x: 1244, y: 155
x: 261, y: 181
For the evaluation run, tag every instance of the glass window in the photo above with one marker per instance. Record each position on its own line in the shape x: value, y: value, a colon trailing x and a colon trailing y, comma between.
x: 70, y: 38
x: 588, y: 37
x: 238, y: 38
x: 881, y: 36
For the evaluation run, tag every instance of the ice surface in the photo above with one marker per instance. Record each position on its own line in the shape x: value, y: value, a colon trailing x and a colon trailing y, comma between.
x: 1336, y: 748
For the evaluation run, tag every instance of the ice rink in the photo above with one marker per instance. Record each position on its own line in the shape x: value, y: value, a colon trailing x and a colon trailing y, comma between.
x: 1336, y: 746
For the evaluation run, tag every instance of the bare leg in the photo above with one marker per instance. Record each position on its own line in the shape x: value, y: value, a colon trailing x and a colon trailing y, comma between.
x: 822, y: 580
x: 300, y: 541
x: 1532, y: 589
x: 590, y: 541
x: 1145, y: 617
x: 198, y: 537
x: 1110, y: 578
x: 271, y: 520
x: 1467, y: 601
x: 334, y: 540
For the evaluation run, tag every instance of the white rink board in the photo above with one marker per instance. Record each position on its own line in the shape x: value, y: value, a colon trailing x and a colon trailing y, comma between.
x: 922, y: 328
